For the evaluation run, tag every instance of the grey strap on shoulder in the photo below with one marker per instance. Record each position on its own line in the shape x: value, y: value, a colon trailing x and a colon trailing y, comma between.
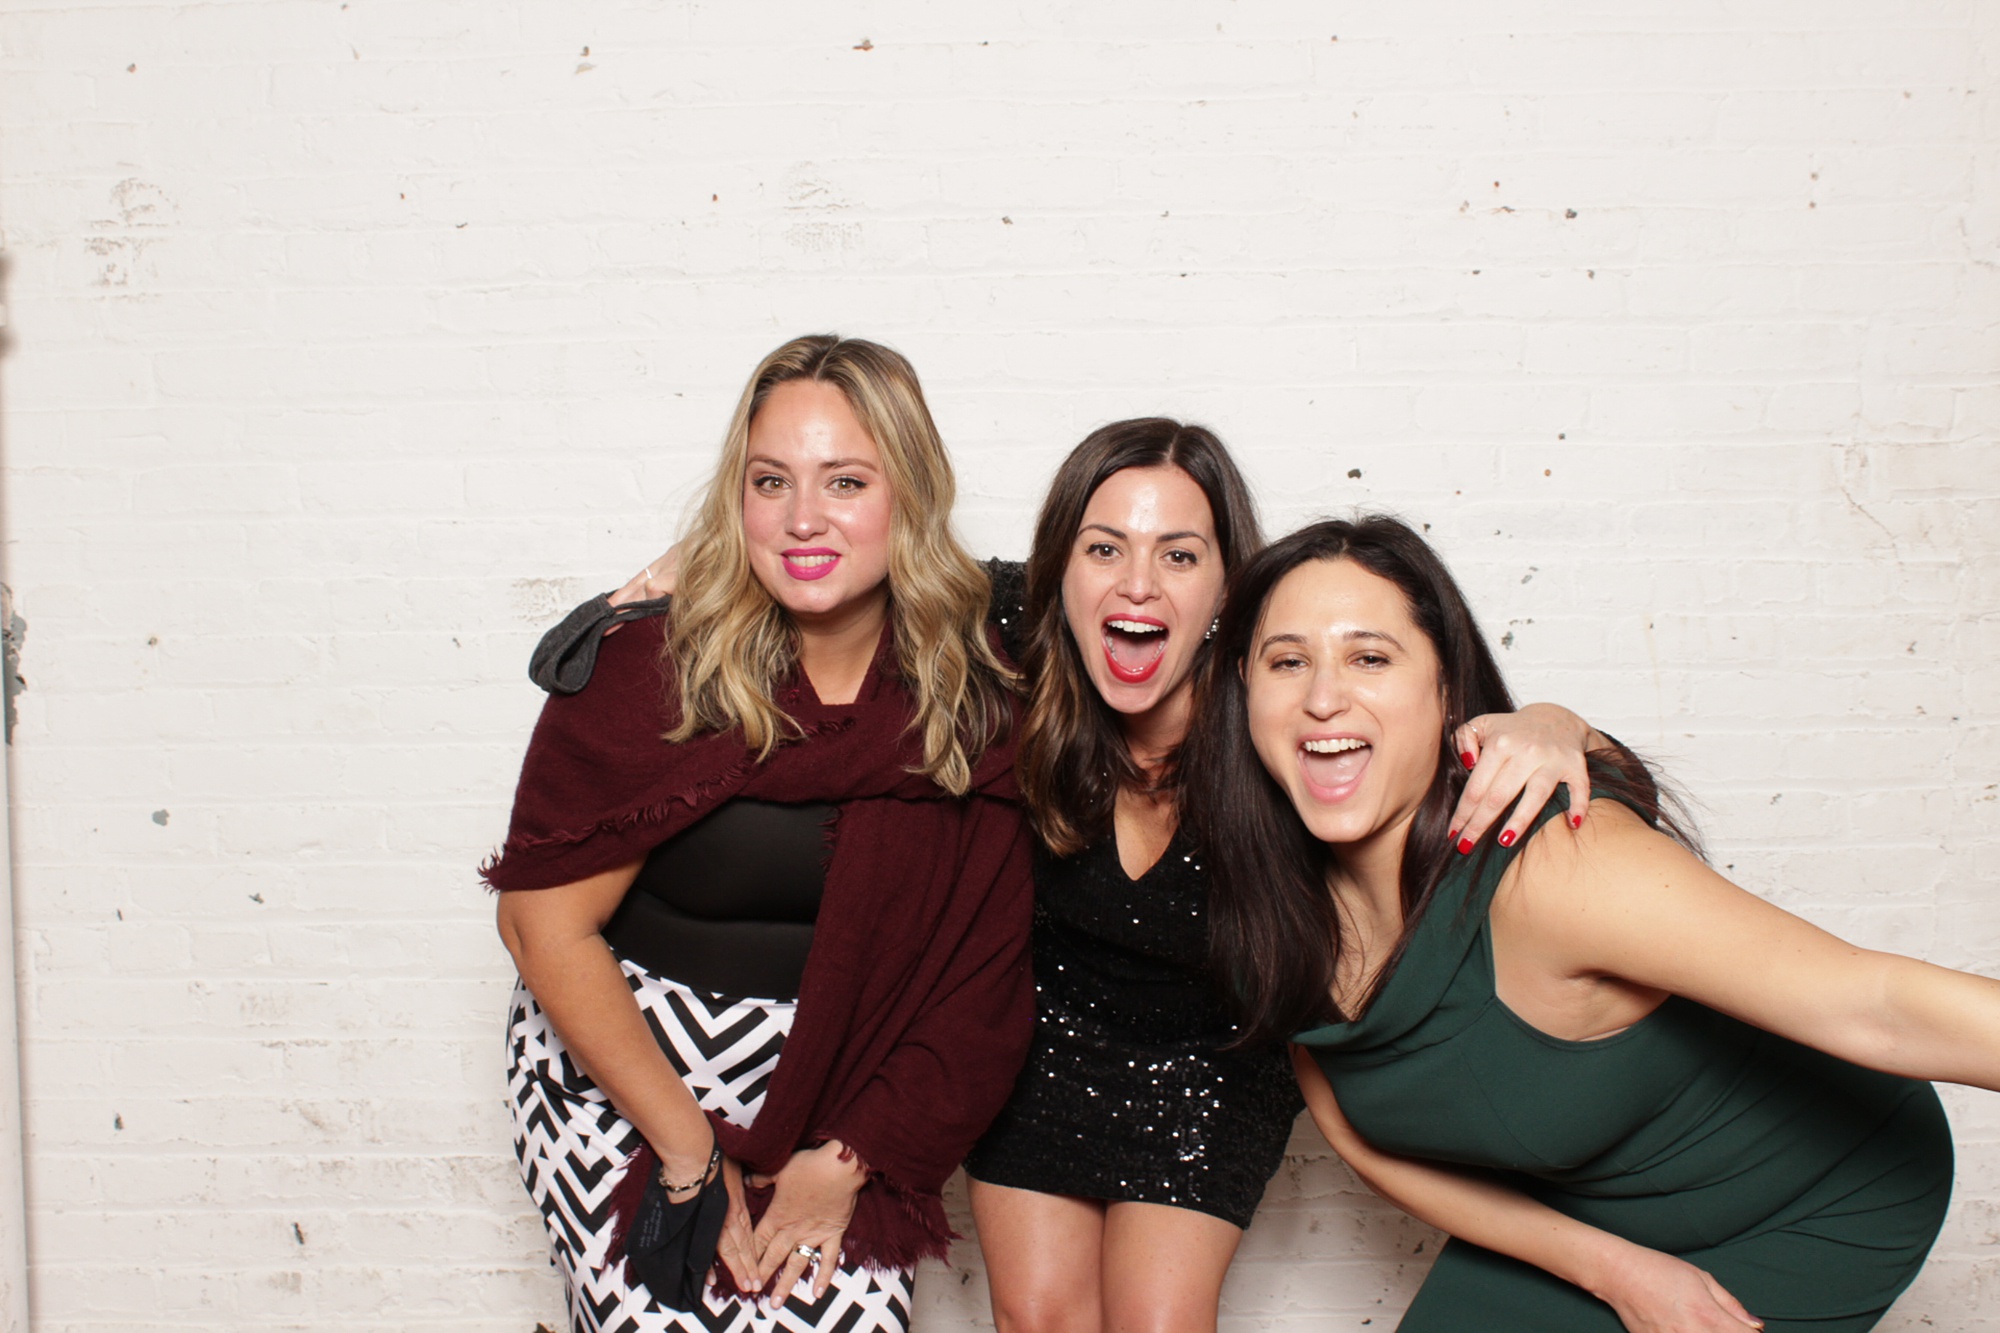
x: 563, y: 660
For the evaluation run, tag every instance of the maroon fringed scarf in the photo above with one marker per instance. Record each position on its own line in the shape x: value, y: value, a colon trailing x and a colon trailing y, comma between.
x: 916, y: 1004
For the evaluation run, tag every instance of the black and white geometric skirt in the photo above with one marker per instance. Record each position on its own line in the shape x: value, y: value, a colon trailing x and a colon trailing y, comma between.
x: 572, y: 1146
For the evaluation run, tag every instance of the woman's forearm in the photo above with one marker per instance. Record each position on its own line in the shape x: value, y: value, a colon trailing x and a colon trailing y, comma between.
x: 1467, y: 1206
x: 553, y: 935
x: 581, y: 988
x: 1935, y: 1024
x: 1495, y: 1217
x: 1648, y: 1289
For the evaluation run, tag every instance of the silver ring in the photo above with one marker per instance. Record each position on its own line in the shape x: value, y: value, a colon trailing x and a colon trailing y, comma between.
x: 809, y: 1253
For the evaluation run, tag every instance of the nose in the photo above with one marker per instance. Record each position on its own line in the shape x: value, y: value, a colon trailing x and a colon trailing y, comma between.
x: 806, y: 516
x: 1327, y: 695
x: 1137, y: 582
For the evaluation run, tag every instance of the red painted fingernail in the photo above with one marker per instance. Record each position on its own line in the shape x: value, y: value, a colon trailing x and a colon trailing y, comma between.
x: 1465, y: 757
x: 1464, y: 846
x: 1451, y: 838
x: 1507, y: 838
x: 1576, y: 821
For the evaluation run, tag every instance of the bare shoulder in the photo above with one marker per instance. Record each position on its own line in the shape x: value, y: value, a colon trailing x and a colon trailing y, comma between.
x: 1619, y: 898
x: 1566, y: 881
x: 1613, y: 838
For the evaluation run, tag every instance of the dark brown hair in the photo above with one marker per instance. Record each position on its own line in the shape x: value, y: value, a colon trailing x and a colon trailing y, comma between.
x: 1073, y: 755
x: 1274, y: 935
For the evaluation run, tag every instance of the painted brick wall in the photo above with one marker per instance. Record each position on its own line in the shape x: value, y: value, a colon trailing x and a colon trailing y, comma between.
x: 348, y: 342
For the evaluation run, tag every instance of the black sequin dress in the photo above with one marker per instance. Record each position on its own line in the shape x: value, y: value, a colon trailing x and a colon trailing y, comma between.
x: 1127, y: 1094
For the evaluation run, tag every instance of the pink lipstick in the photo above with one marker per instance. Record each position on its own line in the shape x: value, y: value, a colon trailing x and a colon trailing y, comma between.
x: 809, y: 562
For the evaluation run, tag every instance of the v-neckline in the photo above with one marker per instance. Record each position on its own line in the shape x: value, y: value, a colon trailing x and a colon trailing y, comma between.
x: 1118, y: 859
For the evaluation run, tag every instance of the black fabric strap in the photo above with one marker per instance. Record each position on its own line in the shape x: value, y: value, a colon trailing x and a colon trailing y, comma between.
x: 563, y: 660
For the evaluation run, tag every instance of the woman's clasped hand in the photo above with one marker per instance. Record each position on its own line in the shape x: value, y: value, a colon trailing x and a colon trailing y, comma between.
x: 812, y: 1202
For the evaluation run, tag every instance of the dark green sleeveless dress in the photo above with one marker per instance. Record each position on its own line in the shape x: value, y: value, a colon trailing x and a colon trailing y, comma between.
x: 1810, y: 1188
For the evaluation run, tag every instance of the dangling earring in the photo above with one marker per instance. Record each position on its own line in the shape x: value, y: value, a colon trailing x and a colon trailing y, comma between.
x: 1211, y: 629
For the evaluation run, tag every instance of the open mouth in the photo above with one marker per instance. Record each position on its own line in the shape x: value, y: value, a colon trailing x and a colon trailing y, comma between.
x: 1334, y: 765
x: 810, y: 563
x: 1134, y: 647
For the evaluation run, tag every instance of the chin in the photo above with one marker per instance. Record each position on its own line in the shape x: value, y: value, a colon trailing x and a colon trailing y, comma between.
x: 1335, y: 830
x: 800, y: 596
x: 1138, y: 698
x: 1132, y: 700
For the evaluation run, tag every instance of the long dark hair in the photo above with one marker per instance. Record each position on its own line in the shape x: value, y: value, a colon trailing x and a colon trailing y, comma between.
x: 1073, y: 757
x: 1274, y: 934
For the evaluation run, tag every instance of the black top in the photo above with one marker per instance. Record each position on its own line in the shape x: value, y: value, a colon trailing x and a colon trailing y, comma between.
x: 728, y: 905
x: 1007, y: 605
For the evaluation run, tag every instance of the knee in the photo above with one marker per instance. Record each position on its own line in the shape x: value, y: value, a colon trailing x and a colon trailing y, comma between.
x: 1046, y: 1309
x: 1164, y: 1308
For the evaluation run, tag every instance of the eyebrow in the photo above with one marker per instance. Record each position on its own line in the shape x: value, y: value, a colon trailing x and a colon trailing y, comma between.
x: 830, y: 465
x: 1352, y: 636
x: 1163, y: 537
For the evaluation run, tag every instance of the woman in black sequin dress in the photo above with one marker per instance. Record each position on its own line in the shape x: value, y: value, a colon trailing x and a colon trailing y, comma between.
x: 1116, y: 1184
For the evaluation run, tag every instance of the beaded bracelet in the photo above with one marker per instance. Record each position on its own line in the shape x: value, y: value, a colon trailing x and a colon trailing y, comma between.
x: 707, y: 1172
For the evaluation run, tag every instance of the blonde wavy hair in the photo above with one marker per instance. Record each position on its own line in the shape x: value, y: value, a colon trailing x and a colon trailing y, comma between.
x: 732, y: 644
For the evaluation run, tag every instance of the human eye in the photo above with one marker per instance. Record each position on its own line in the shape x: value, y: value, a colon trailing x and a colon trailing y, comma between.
x: 768, y: 483
x: 1371, y: 659
x: 1281, y: 663
x: 847, y: 485
x: 1099, y: 550
x: 1181, y: 558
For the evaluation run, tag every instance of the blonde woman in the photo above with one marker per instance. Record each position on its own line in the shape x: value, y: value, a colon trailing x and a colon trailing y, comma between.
x: 768, y: 889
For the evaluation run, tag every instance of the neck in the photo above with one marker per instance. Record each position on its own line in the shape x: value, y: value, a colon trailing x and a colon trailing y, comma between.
x: 1368, y: 875
x: 836, y: 648
x: 1156, y: 733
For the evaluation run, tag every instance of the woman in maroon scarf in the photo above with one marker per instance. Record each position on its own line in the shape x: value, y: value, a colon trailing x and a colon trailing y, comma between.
x: 790, y: 825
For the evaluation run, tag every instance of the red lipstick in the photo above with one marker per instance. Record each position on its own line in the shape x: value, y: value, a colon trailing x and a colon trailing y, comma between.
x: 1134, y: 654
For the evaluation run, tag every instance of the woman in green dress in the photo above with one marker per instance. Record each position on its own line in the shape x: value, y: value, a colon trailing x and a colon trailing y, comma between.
x: 1635, y: 1095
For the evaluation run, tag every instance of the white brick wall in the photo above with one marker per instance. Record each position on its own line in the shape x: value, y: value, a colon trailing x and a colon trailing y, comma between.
x: 349, y: 341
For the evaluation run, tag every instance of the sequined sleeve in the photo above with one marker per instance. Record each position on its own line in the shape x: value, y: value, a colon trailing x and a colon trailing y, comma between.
x: 1008, y: 610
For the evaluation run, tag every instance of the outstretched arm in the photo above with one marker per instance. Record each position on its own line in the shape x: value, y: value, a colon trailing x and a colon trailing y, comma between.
x: 1652, y: 1292
x: 1618, y: 899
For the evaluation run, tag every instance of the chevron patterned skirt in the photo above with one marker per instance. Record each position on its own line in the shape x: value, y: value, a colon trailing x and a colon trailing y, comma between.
x: 572, y: 1147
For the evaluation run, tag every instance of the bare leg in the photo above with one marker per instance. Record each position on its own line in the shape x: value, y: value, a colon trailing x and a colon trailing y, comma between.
x: 1042, y: 1258
x: 1163, y: 1268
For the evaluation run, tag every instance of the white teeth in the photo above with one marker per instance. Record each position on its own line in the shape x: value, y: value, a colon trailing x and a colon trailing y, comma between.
x: 1340, y: 746
x: 810, y: 561
x: 1135, y: 627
